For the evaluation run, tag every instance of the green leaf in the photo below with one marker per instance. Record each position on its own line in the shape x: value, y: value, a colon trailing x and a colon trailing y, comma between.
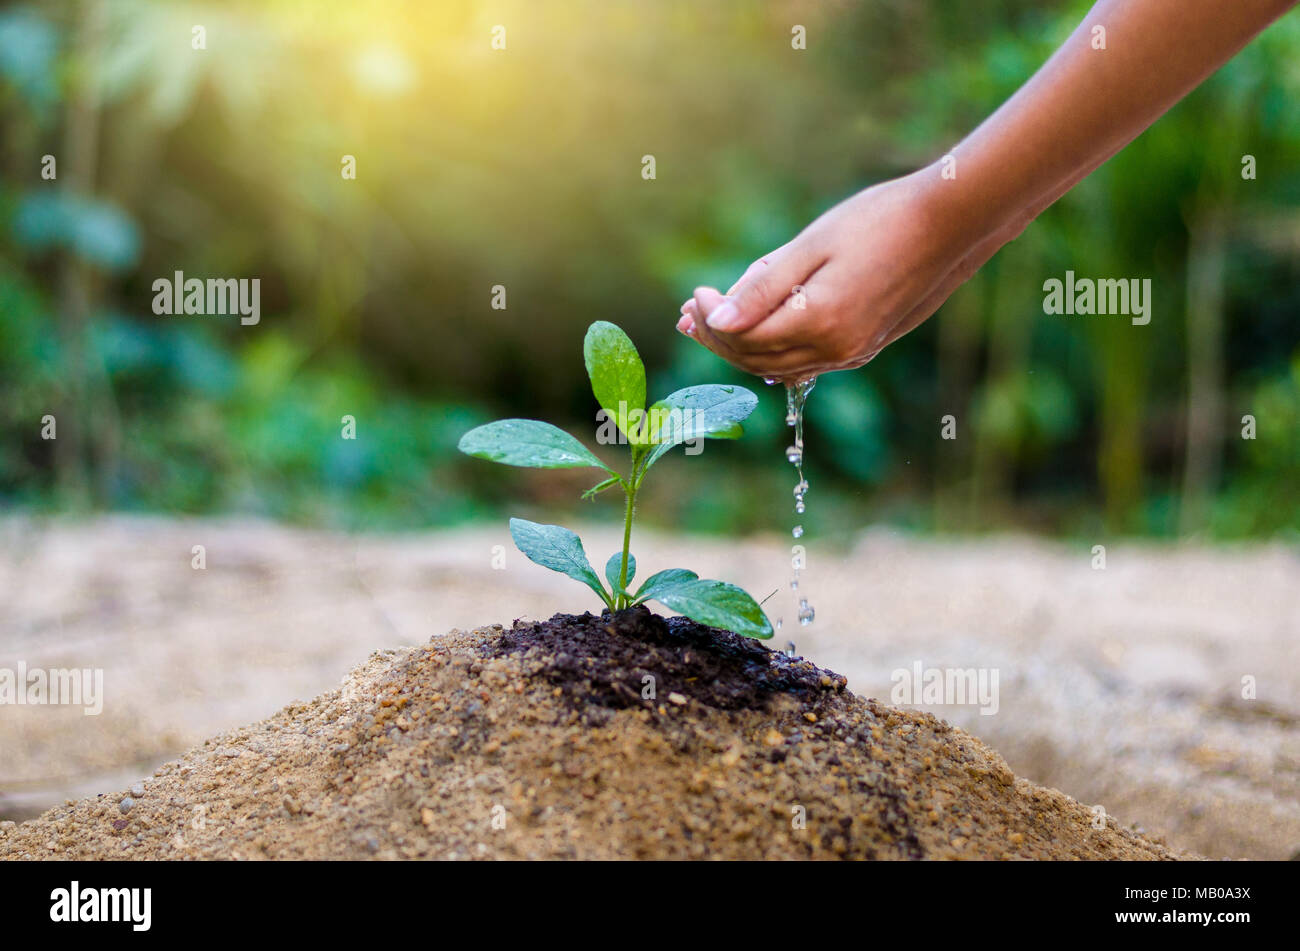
x: 601, y: 487
x: 557, y: 548
x: 667, y: 578
x: 713, y: 411
x: 615, y: 565
x: 528, y: 442
x: 716, y: 604
x: 617, y: 376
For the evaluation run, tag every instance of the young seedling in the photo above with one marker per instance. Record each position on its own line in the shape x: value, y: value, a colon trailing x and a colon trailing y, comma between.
x: 618, y: 380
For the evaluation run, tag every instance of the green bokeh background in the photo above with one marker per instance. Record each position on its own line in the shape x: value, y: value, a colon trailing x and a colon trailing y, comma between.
x: 523, y: 168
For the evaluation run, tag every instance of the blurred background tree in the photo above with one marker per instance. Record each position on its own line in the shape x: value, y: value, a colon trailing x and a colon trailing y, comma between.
x: 522, y: 167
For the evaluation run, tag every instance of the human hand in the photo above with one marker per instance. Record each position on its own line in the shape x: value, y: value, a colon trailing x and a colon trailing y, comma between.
x: 855, y: 280
x: 875, y: 266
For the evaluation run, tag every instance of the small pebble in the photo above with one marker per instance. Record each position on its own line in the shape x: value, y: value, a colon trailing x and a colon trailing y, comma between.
x: 125, y: 805
x: 137, y: 790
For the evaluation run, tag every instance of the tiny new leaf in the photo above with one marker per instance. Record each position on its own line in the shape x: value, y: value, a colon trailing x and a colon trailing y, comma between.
x: 615, y: 565
x: 617, y: 376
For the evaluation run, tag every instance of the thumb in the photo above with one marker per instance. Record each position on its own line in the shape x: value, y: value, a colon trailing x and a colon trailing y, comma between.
x: 765, y: 286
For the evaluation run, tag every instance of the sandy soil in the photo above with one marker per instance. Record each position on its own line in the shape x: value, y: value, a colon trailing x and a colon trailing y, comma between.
x: 1121, y: 687
x: 504, y: 744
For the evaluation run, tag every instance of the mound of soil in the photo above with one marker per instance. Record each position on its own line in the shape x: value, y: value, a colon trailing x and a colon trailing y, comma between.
x: 622, y: 736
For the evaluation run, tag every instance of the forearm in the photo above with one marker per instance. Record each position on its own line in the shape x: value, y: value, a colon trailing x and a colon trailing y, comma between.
x: 882, y: 261
x: 1085, y: 104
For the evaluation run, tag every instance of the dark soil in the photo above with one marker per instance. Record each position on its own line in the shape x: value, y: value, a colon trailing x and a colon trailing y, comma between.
x: 605, y: 660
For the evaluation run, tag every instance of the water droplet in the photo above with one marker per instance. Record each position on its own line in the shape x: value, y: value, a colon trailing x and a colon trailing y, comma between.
x: 806, y: 613
x: 771, y: 380
x: 796, y: 395
x: 789, y: 648
x: 779, y: 622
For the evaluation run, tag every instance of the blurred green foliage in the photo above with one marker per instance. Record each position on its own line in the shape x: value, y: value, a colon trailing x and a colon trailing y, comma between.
x: 522, y: 168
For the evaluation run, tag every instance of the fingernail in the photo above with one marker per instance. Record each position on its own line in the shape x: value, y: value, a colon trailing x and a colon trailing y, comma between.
x: 686, y: 306
x: 724, y: 318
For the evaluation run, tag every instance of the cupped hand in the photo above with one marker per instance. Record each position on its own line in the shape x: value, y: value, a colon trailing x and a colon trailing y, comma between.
x: 855, y: 280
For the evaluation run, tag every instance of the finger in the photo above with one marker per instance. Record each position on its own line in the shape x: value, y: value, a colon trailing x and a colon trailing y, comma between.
x: 706, y: 300
x: 795, y: 363
x: 775, y: 364
x: 771, y: 363
x: 686, y: 324
x: 791, y: 324
x: 765, y: 288
x: 762, y: 262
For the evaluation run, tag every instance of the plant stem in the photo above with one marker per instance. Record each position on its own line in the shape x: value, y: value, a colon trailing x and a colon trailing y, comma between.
x: 630, y: 489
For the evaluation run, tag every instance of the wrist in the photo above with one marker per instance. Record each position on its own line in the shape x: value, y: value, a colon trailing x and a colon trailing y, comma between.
x: 959, y: 211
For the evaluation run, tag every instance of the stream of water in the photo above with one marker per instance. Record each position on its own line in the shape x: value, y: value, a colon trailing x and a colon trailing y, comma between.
x: 796, y: 396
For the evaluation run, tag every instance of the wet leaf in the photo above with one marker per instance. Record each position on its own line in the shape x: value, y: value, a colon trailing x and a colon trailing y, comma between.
x: 557, y: 548
x: 617, y: 375
x: 528, y: 442
x: 615, y: 565
x: 665, y: 579
x: 716, y: 604
x: 712, y: 411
